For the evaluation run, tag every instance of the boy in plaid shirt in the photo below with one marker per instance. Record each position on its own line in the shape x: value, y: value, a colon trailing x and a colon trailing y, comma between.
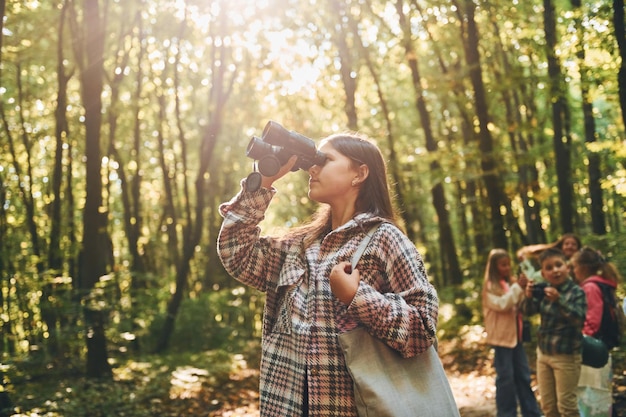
x: 562, y: 306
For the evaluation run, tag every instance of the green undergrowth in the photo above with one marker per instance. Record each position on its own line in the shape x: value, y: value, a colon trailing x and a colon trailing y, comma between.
x: 164, y: 385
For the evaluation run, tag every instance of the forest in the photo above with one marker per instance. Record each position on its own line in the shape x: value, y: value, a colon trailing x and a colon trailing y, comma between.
x: 125, y: 123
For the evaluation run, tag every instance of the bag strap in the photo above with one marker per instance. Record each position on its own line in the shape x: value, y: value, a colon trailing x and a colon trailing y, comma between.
x: 363, y: 245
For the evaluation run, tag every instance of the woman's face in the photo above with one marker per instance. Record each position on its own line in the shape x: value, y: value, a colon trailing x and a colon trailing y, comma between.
x: 569, y: 247
x: 331, y: 183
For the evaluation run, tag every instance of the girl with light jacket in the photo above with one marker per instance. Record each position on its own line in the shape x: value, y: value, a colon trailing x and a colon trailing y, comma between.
x: 503, y: 327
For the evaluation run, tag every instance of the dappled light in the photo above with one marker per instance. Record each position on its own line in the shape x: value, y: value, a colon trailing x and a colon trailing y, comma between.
x: 187, y: 382
x: 124, y: 126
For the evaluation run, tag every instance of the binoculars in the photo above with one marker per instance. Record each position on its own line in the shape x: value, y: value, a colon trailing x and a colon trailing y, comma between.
x: 277, y: 144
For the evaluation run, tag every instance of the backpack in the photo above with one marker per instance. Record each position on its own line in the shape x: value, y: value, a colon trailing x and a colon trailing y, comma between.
x: 613, y: 319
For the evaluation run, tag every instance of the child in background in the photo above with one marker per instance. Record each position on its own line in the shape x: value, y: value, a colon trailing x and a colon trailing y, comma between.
x: 591, y: 271
x: 501, y: 295
x: 562, y: 306
x: 568, y: 243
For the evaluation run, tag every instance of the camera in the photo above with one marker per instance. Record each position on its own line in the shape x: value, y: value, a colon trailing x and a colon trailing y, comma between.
x: 537, y: 290
x: 277, y: 144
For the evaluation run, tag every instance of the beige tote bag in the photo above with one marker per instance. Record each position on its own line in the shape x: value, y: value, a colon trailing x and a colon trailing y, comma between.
x: 388, y: 385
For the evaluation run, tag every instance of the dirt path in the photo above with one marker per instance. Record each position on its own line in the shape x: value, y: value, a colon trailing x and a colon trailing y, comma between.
x: 473, y: 386
x: 474, y: 394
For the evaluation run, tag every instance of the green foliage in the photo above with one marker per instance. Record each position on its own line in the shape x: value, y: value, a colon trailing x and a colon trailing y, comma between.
x: 176, y: 384
x: 461, y: 308
x: 283, y: 63
x: 227, y: 319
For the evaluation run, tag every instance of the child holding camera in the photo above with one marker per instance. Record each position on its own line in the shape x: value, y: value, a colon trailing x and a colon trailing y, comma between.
x: 562, y: 305
x: 501, y: 296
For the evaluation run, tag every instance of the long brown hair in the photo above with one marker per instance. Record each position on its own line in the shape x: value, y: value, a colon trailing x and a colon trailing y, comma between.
x: 374, y: 196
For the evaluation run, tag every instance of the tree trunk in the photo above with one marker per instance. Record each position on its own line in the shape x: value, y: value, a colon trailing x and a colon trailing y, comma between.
x: 532, y: 213
x: 487, y: 162
x: 339, y: 36
x: 450, y: 267
x: 519, y: 143
x: 7, y: 340
x: 55, y: 253
x: 561, y: 139
x: 129, y: 184
x: 468, y: 189
x: 192, y: 235
x: 620, y: 37
x: 192, y: 232
x: 598, y: 221
x: 93, y: 260
x: 394, y: 164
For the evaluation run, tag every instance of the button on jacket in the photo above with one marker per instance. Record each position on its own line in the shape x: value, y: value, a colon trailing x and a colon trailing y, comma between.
x: 394, y: 302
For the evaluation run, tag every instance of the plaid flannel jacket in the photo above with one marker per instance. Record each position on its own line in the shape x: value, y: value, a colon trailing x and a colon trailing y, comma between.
x: 560, y: 331
x: 395, y: 302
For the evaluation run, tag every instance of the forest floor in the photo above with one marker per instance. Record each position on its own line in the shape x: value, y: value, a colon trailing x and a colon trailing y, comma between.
x: 158, y: 389
x: 472, y: 380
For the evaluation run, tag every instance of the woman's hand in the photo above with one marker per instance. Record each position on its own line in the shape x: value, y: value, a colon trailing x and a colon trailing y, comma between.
x: 266, y: 182
x: 344, y: 282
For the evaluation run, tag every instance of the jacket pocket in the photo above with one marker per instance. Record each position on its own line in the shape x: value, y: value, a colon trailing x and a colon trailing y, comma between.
x: 290, y: 280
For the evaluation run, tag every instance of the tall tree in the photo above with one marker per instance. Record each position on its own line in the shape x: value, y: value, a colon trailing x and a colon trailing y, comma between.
x: 55, y: 252
x: 598, y: 221
x: 511, y: 82
x: 450, y: 267
x: 619, y: 26
x: 561, y: 139
x: 8, y: 341
x: 340, y: 35
x: 95, y: 252
x: 487, y: 153
x: 223, y: 77
x: 408, y: 213
x: 130, y: 179
x: 468, y: 189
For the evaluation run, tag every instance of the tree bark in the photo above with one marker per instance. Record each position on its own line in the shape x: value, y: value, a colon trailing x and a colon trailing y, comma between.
x: 221, y: 88
x: 347, y: 70
x: 450, y: 267
x: 620, y: 36
x: 598, y: 221
x: 560, y: 122
x: 55, y: 252
x: 93, y: 259
x: 487, y: 162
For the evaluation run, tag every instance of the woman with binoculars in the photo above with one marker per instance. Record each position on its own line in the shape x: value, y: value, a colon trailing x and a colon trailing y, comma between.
x: 312, y: 294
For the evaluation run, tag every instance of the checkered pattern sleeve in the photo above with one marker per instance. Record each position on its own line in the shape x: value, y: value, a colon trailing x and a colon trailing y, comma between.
x: 247, y: 257
x: 560, y: 331
x: 395, y: 300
